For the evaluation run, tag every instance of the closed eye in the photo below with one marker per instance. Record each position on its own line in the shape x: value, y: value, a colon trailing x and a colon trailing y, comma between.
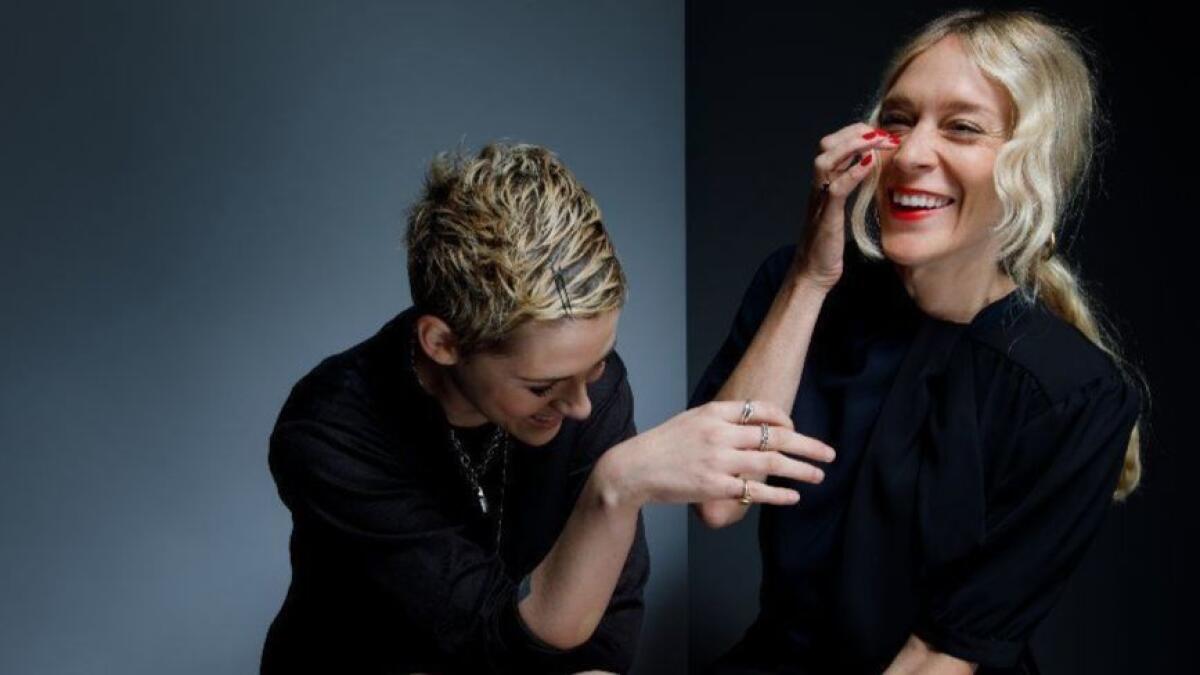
x: 596, y: 372
x: 893, y: 120
x: 964, y: 127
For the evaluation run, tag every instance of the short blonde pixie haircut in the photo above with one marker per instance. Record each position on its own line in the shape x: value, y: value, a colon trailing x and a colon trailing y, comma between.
x: 505, y: 237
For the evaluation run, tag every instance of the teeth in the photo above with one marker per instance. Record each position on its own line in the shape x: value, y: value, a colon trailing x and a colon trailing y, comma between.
x: 919, y: 201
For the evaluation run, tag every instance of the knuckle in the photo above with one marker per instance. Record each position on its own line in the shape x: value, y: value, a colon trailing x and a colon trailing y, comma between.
x: 715, y: 485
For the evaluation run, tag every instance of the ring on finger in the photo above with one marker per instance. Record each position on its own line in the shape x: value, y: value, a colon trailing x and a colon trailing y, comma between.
x: 747, y: 412
x: 745, y: 499
x: 764, y: 437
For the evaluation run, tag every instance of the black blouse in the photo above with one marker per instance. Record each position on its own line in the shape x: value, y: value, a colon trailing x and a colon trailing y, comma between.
x: 394, y: 567
x: 975, y: 464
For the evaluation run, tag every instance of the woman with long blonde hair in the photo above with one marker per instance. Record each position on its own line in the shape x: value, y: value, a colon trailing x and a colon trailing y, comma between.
x: 982, y: 419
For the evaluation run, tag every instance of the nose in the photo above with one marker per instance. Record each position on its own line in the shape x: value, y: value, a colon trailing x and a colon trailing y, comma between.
x: 575, y: 403
x: 917, y: 152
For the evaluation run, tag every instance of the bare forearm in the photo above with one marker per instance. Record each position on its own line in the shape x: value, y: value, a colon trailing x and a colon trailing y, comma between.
x: 573, y: 585
x: 771, y: 368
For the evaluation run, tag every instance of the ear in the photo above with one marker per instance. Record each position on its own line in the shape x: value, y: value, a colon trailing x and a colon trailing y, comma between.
x: 437, y: 340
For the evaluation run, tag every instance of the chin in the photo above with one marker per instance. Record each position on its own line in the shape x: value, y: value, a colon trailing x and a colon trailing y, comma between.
x: 908, y: 249
x: 533, y: 435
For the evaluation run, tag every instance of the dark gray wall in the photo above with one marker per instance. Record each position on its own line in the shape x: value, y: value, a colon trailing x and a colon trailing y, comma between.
x: 765, y: 81
x: 200, y: 200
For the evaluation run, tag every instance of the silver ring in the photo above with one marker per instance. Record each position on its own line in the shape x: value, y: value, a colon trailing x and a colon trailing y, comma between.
x: 745, y: 499
x: 747, y: 412
x: 766, y: 437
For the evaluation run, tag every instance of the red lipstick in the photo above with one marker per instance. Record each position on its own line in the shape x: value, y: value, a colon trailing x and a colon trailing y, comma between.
x: 913, y: 213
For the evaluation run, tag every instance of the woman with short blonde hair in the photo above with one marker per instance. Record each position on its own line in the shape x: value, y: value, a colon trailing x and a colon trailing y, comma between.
x: 466, y: 485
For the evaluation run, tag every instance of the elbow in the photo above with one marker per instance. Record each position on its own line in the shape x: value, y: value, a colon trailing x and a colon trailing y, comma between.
x: 553, y: 631
x: 716, y: 515
x: 565, y: 642
x: 564, y: 638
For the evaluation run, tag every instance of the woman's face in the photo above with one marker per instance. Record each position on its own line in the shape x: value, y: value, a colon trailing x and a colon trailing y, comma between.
x: 540, y: 377
x: 936, y: 196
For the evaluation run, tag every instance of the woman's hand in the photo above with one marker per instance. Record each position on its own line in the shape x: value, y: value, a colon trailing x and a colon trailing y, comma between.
x: 699, y: 454
x: 846, y: 158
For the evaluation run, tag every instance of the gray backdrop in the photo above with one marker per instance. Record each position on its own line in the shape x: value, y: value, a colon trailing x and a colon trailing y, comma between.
x: 201, y: 200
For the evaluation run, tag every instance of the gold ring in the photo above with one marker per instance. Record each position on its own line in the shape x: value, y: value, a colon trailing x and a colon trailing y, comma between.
x: 745, y: 499
x: 765, y: 438
x: 747, y: 412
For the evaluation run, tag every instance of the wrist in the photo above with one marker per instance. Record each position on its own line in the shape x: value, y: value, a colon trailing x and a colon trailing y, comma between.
x: 802, y: 288
x: 612, y: 483
x: 801, y: 274
x: 803, y: 281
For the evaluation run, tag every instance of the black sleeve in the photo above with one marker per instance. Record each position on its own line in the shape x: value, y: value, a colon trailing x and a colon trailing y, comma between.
x: 756, y: 302
x: 429, y: 576
x: 1053, y: 494
x: 426, y: 573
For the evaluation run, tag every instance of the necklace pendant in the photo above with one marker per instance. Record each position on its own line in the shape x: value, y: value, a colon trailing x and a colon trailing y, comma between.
x: 483, y: 503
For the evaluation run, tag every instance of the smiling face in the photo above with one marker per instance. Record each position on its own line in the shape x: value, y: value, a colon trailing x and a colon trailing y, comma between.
x: 540, y: 377
x: 936, y: 196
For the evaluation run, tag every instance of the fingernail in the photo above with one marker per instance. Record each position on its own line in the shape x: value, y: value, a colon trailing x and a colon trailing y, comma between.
x: 866, y: 159
x: 868, y: 136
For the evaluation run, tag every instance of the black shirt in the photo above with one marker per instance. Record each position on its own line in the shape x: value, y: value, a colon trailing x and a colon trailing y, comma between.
x: 975, y: 463
x: 394, y: 566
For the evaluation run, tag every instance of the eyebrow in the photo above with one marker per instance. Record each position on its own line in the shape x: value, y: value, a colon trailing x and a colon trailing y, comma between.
x: 553, y: 380
x: 956, y: 106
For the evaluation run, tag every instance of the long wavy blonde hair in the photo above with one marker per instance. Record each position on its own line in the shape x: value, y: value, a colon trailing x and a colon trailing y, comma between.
x: 499, y: 238
x: 1040, y: 172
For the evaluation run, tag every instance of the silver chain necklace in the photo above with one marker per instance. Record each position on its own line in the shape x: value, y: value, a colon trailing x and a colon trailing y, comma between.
x: 475, y: 471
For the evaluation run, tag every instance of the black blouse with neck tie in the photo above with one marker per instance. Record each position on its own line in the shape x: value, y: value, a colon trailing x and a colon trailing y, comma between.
x: 975, y: 464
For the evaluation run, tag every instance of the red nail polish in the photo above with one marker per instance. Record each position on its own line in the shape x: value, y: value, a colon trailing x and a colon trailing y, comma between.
x: 866, y: 159
x: 870, y: 135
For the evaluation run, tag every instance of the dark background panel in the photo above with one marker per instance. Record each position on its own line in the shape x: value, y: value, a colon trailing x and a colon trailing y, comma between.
x: 198, y: 201
x: 765, y: 81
